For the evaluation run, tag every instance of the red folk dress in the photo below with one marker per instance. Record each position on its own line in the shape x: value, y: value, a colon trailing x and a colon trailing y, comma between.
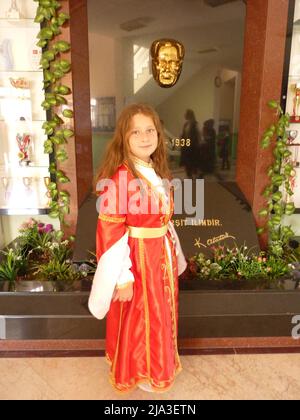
x: 141, y: 335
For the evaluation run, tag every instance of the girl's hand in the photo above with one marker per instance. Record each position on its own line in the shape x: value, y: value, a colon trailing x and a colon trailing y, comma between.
x: 125, y: 294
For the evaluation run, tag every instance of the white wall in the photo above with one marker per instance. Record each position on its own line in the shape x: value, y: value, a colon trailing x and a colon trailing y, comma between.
x: 197, y: 94
x: 102, y: 65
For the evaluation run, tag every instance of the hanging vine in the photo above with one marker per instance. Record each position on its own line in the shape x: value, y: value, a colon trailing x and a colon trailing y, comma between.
x: 55, y: 68
x: 279, y: 192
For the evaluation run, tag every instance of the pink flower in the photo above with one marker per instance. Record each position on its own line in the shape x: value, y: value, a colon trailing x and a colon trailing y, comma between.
x: 48, y: 228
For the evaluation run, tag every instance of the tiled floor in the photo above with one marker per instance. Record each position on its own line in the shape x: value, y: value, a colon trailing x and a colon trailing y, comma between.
x: 272, y: 377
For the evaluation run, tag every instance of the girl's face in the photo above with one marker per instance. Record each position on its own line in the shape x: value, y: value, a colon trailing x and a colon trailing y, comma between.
x: 143, y: 137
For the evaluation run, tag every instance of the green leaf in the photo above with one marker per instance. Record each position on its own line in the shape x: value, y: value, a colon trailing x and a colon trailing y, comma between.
x: 68, y: 133
x: 276, y: 220
x: 45, y: 33
x: 64, y: 194
x: 260, y: 231
x: 267, y: 192
x: 287, y: 154
x: 42, y: 43
x: 290, y: 209
x: 60, y: 174
x: 273, y: 104
x: 49, y: 76
x: 49, y: 131
x: 62, y: 46
x: 52, y: 168
x: 57, y: 119
x: 63, y: 15
x: 49, y: 55
x: 45, y: 3
x: 58, y: 74
x: 44, y: 63
x: 64, y: 180
x: 65, y: 209
x: 46, y: 106
x: 57, y: 140
x: 68, y: 113
x: 62, y: 90
x: 64, y: 65
x: 61, y: 100
x: 54, y: 214
x: 263, y: 213
x: 39, y: 18
x: 265, y: 142
x: 55, y: 29
x: 277, y: 196
x: 54, y: 194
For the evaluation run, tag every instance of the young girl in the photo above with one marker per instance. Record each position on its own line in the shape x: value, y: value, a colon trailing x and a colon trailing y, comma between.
x: 142, y: 321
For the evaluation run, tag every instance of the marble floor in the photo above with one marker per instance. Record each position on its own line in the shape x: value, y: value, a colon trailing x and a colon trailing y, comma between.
x: 243, y: 377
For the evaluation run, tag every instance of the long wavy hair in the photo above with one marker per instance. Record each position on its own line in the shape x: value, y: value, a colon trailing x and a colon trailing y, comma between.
x: 118, y: 149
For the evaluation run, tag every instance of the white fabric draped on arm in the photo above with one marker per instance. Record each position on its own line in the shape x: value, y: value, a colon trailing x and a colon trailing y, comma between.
x: 112, y: 268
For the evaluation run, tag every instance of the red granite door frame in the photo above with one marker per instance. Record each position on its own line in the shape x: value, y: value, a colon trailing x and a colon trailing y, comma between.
x: 264, y: 53
x: 79, y: 166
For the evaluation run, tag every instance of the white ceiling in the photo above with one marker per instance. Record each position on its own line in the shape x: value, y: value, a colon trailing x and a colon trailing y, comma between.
x: 192, y: 22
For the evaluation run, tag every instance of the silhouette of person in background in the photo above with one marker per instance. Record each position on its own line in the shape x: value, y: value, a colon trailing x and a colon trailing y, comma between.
x: 190, y: 151
x: 208, y: 150
x: 224, y: 146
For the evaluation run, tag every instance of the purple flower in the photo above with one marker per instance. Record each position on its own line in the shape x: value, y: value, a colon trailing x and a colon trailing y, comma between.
x: 41, y: 225
x: 48, y: 228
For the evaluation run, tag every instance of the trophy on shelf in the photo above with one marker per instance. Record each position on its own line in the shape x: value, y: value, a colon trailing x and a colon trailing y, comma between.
x: 292, y: 135
x: 27, y: 182
x: 6, y: 51
x: 295, y: 118
x: 13, y: 12
x: 20, y: 83
x: 23, y: 143
x: 47, y: 182
x: 6, y: 183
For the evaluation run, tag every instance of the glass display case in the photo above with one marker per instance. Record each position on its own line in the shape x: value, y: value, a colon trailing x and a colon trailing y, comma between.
x: 24, y: 167
x: 292, y: 100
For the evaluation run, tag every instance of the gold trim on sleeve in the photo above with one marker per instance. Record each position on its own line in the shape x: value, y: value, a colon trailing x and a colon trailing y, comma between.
x: 111, y: 219
x: 124, y: 285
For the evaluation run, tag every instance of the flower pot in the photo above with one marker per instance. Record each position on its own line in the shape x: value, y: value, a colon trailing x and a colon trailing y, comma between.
x: 34, y: 286
x: 227, y: 284
x: 289, y: 284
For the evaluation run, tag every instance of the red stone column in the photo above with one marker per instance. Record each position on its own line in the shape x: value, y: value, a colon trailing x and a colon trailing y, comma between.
x: 264, y: 51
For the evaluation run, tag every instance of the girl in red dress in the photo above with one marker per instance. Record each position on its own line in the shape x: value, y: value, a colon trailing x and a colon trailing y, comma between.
x: 142, y: 320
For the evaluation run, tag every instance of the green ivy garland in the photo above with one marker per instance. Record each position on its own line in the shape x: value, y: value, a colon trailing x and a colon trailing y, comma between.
x: 55, y: 68
x: 280, y: 174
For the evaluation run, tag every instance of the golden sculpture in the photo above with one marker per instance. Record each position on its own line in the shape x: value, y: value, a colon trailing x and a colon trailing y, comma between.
x: 167, y: 60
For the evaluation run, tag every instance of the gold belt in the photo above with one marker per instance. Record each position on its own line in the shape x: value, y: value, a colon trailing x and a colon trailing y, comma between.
x: 141, y: 232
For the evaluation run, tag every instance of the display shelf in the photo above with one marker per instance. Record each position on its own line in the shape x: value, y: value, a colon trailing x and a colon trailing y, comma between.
x: 17, y: 23
x: 23, y: 212
x: 20, y: 71
x: 24, y: 167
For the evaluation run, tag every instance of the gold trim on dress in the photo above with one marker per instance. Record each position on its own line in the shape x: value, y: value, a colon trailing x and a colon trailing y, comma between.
x: 113, y: 369
x: 150, y: 232
x: 111, y: 219
x: 146, y: 304
x: 173, y: 311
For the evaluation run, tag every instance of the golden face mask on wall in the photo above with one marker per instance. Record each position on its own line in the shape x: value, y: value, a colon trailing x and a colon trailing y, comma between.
x: 167, y: 59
